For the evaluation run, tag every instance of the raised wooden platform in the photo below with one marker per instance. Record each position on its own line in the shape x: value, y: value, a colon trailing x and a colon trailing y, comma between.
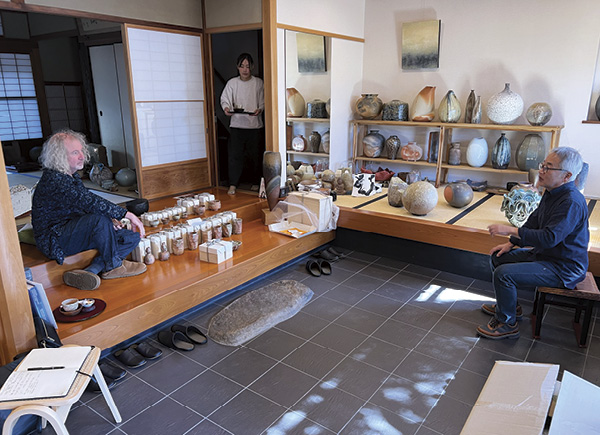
x: 173, y: 287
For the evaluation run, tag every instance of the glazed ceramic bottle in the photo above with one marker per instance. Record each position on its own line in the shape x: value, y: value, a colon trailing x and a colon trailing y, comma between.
x: 531, y: 152
x: 505, y: 107
x: 454, y: 154
x: 314, y: 141
x: 469, y: 107
x: 449, y: 110
x: 501, y: 153
x: 392, y: 145
x: 325, y: 141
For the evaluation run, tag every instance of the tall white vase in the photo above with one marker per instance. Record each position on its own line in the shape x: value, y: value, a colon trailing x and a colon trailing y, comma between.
x: 477, y: 152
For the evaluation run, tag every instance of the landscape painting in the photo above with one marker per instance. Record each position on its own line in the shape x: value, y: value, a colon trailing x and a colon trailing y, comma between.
x: 311, y: 53
x: 421, y: 44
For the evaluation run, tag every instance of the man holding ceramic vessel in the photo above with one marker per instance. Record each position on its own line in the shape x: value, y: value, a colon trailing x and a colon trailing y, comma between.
x: 67, y: 218
x: 549, y: 250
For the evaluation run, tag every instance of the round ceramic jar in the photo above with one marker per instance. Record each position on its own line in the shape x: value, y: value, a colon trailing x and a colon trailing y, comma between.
x: 395, y: 110
x: 316, y: 109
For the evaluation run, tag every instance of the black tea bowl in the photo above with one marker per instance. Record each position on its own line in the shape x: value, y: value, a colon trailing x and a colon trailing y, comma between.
x: 137, y: 206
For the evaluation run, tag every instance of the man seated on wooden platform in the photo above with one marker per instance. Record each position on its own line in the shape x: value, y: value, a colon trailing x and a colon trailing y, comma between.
x: 67, y: 218
x: 549, y: 250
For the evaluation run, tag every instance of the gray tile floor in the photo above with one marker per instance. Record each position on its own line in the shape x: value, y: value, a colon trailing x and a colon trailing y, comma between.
x: 384, y: 347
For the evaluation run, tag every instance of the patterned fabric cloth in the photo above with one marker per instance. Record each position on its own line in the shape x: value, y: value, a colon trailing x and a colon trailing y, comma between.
x: 57, y: 198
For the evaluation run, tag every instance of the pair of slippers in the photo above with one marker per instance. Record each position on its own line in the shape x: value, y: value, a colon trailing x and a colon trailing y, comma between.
x: 330, y: 254
x: 182, y: 337
x: 111, y: 374
x: 137, y: 354
x: 318, y: 267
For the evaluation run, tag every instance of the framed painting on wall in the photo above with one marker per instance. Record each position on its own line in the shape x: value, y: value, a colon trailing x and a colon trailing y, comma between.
x: 421, y: 44
x: 311, y: 53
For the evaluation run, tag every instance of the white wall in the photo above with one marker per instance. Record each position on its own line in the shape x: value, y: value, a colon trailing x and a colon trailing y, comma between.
x: 546, y: 49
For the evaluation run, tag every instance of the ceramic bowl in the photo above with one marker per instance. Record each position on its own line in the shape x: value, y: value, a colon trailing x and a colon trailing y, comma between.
x: 88, y: 302
x: 70, y: 304
x: 137, y: 206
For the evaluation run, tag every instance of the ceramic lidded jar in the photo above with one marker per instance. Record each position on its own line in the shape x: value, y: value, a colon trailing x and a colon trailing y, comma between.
x: 501, y: 153
x: 395, y: 110
x: 325, y: 141
x: 477, y: 152
x: 531, y: 152
x: 314, y: 141
x: 368, y: 106
x: 539, y: 113
x: 296, y: 103
x: 422, y: 108
x: 449, y: 110
x: 392, y: 145
x: 373, y: 144
x: 458, y: 194
x: 505, y: 107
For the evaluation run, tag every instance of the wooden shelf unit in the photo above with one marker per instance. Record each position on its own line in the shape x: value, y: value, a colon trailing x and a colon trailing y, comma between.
x: 290, y: 121
x: 445, y: 138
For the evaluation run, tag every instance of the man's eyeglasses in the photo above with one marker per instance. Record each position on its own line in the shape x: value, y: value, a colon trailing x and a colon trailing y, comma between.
x: 545, y: 168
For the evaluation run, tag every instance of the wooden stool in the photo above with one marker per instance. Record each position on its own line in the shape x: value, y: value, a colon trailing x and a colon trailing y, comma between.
x: 585, y: 294
x: 56, y: 410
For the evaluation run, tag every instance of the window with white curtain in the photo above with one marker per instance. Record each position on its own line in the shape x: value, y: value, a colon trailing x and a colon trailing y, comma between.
x: 19, y: 112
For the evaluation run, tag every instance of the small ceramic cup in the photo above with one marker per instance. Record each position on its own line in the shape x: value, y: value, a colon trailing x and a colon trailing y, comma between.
x: 86, y: 303
x: 70, y: 304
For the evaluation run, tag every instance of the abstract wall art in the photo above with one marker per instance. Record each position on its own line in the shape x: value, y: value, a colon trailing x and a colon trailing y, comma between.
x: 421, y: 44
x: 311, y: 53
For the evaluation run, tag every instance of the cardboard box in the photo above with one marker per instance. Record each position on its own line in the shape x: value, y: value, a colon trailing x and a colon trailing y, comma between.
x: 292, y: 229
x: 319, y: 204
x: 216, y: 251
x: 514, y: 400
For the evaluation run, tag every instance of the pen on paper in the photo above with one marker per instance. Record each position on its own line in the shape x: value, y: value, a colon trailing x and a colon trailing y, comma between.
x: 35, y: 369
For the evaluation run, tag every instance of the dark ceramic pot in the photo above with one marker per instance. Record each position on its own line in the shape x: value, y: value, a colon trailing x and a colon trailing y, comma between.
x: 458, y: 194
x: 137, y: 206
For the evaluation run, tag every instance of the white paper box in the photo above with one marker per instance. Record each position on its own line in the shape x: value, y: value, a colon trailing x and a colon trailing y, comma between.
x: 154, y: 244
x: 216, y: 251
x: 140, y: 250
x: 317, y: 203
x: 292, y: 229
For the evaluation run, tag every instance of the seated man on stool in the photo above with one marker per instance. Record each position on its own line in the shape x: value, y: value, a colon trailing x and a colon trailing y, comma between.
x: 556, y: 235
x: 67, y: 218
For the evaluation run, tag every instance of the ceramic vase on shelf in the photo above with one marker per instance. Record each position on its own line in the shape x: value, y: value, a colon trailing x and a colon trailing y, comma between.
x: 501, y: 153
x: 272, y: 175
x: 469, y: 107
x: 476, y: 116
x: 505, y: 107
x: 597, y: 108
x: 538, y: 114
x: 299, y: 143
x: 422, y: 107
x: 325, y: 141
x: 316, y: 109
x: 531, y: 152
x: 411, y: 152
x: 392, y: 145
x: 395, y: 110
x: 295, y: 102
x: 373, y: 144
x: 458, y: 194
x: 368, y: 106
x: 449, y: 109
x: 454, y: 154
x: 328, y: 107
x: 477, y: 152
x: 314, y: 141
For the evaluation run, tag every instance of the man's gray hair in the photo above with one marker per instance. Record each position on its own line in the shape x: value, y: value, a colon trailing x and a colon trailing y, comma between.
x: 570, y: 160
x: 54, y: 154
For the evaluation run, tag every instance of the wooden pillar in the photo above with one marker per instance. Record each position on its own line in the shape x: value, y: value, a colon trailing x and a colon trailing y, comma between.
x: 16, y: 323
x: 269, y: 24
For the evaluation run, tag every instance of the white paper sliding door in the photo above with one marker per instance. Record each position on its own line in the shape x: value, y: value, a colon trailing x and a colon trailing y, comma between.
x: 167, y: 82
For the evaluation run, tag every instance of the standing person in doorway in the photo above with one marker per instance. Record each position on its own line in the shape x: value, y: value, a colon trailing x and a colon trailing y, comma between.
x: 243, y: 100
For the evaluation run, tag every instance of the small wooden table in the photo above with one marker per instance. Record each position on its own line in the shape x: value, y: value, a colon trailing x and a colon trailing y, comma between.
x: 56, y: 410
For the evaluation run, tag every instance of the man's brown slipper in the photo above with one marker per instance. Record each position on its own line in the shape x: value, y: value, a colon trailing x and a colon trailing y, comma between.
x: 81, y: 279
x: 127, y: 269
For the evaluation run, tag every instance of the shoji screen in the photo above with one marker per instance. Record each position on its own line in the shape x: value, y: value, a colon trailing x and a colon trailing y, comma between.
x: 167, y: 88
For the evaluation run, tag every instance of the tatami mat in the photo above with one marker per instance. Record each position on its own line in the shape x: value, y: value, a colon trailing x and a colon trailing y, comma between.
x: 352, y: 202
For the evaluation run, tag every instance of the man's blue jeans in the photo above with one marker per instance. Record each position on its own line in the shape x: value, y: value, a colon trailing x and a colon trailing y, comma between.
x: 514, y: 270
x: 93, y: 231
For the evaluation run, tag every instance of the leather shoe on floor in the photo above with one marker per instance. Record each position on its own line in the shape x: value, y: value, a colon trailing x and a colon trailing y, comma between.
x: 491, y: 310
x: 81, y: 279
x: 110, y: 371
x: 93, y: 386
x: 147, y: 350
x: 130, y: 357
x: 127, y: 269
x: 191, y: 332
x: 495, y: 330
x: 175, y: 340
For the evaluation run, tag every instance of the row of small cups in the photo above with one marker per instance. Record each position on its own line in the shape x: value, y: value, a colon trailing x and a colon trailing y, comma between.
x: 184, y: 206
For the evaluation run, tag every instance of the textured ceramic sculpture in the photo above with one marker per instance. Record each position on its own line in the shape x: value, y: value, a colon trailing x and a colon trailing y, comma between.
x: 477, y: 152
x: 519, y: 203
x: 458, y: 194
x: 296, y: 103
x: 395, y: 110
x: 539, y: 113
x: 392, y: 145
x: 422, y: 107
x: 149, y: 258
x: 125, y: 177
x: 454, y: 154
x: 316, y: 109
x: 420, y: 198
x: 325, y: 142
x: 314, y: 141
x: 501, y: 153
x: 272, y: 175
x: 368, y: 106
x: 100, y: 173
x: 531, y: 152
x: 469, y: 107
x: 505, y: 107
x: 396, y: 191
x: 449, y: 110
x: 476, y: 116
x: 163, y: 255
x: 411, y: 152
x: 373, y: 144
